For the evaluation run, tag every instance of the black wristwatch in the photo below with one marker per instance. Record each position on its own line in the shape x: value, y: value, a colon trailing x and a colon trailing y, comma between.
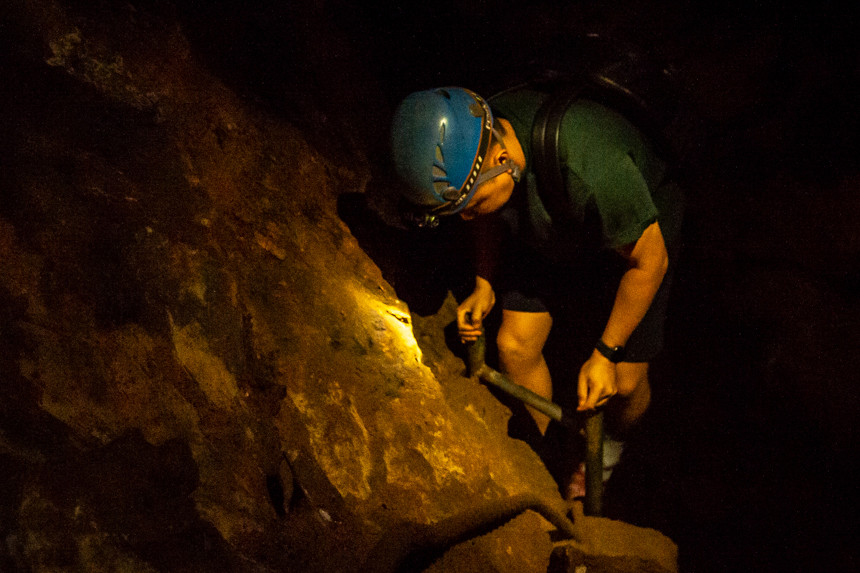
x: 612, y: 353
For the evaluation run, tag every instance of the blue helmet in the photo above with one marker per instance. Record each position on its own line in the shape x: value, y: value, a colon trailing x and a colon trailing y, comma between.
x: 439, y: 140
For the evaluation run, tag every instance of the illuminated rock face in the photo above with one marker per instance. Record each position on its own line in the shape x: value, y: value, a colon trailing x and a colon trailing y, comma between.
x: 201, y: 368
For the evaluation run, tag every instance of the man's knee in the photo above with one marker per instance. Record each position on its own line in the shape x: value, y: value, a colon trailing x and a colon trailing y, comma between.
x: 521, y: 337
x: 634, y: 398
x: 632, y: 378
x: 514, y: 348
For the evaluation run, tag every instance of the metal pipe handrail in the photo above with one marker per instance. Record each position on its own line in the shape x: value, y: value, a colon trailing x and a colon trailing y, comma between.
x: 593, y: 422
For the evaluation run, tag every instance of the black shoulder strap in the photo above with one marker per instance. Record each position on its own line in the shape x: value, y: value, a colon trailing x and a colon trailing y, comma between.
x: 547, y: 167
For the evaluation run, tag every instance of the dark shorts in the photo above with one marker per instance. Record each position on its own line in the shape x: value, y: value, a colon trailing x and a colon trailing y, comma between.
x: 580, y: 296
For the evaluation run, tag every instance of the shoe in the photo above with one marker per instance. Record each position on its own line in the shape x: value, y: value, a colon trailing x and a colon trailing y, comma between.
x: 576, y: 487
x: 612, y: 450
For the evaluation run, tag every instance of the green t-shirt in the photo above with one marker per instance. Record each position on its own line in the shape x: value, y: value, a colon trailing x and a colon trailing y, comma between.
x: 613, y: 177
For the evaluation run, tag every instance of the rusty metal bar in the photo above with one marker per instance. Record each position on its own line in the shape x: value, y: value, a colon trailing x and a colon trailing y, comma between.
x: 478, y: 368
x: 593, y: 504
x: 593, y: 421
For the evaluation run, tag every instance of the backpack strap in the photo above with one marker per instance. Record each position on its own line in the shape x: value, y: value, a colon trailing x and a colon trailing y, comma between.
x: 544, y: 140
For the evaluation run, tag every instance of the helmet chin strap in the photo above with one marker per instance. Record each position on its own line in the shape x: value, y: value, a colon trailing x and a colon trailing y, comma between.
x: 431, y: 219
x: 507, y: 166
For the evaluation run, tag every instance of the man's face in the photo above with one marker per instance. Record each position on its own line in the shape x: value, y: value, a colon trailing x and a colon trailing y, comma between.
x: 490, y: 196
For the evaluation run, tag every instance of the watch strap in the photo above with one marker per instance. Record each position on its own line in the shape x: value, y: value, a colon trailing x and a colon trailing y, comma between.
x: 614, y: 354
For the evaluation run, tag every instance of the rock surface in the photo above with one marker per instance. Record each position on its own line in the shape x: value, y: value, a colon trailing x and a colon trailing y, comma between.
x: 201, y: 368
x: 213, y: 357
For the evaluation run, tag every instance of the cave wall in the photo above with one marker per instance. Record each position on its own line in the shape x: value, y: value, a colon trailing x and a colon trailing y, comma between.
x: 201, y: 369
x: 214, y: 356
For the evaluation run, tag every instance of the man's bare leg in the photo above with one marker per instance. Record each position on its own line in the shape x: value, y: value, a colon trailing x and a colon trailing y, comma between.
x: 626, y: 408
x: 521, y: 338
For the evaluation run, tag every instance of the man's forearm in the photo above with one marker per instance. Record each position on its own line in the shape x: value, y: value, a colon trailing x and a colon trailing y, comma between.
x: 638, y: 286
x: 482, y: 283
x: 636, y: 291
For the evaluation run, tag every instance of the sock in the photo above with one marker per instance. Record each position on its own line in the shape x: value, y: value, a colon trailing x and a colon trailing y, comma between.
x: 612, y: 450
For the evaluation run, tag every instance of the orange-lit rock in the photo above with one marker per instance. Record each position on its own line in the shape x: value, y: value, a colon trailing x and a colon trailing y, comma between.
x: 201, y: 368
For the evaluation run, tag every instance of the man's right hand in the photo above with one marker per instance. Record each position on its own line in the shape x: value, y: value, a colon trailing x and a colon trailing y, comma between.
x: 473, y: 310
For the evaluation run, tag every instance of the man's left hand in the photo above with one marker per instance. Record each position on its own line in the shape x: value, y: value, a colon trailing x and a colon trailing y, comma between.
x: 597, y: 382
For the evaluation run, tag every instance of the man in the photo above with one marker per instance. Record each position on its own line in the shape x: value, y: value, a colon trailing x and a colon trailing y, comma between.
x: 458, y: 155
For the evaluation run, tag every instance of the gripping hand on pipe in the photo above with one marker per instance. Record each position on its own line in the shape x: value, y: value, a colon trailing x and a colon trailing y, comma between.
x: 597, y: 382
x: 473, y: 310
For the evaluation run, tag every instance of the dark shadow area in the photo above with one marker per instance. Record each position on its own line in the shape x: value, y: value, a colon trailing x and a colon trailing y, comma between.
x: 144, y: 493
x: 421, y: 264
x: 78, y: 192
x: 742, y: 474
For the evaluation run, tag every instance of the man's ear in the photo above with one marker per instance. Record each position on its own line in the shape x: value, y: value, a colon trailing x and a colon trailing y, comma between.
x: 497, y: 154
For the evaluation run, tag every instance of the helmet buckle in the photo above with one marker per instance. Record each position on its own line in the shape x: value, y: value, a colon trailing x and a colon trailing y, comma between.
x: 451, y: 194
